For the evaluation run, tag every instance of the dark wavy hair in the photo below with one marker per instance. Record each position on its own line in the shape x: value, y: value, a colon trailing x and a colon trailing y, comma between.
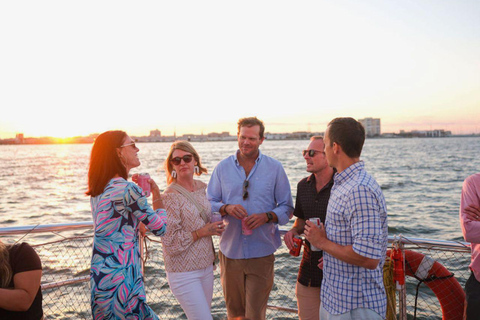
x: 105, y: 162
x: 250, y: 122
x: 349, y: 134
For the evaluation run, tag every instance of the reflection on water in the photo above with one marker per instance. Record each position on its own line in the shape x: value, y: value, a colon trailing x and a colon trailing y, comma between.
x: 421, y: 179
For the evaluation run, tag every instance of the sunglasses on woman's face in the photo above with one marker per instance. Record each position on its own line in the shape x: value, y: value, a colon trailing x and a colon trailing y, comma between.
x: 129, y: 144
x: 177, y: 160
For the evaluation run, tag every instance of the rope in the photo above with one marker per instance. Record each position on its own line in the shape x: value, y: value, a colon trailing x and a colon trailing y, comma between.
x: 420, y: 281
x: 145, y: 245
x: 389, y: 284
x: 26, y: 234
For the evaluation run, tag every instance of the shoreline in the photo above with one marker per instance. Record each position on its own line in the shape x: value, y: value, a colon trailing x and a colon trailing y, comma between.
x: 146, y: 139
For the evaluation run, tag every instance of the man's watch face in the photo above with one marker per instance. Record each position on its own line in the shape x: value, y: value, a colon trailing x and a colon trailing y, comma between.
x: 269, y: 216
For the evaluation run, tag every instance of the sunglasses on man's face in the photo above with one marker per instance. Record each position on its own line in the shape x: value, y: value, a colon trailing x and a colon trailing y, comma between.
x: 245, y: 192
x: 177, y: 160
x: 311, y: 152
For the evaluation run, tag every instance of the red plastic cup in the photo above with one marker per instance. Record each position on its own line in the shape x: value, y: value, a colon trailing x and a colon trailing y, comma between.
x: 245, y: 230
x: 143, y: 183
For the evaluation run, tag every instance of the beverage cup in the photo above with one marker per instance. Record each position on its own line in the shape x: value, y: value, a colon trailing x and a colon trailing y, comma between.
x: 143, y: 183
x: 216, y: 217
x: 245, y: 230
x: 297, y: 246
x: 317, y: 222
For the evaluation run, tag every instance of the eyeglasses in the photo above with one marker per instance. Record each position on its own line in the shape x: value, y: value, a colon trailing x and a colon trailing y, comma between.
x: 245, y: 192
x: 129, y: 144
x: 186, y: 158
x: 311, y: 152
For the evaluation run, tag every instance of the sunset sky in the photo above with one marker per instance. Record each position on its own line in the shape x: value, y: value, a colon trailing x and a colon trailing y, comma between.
x: 70, y: 68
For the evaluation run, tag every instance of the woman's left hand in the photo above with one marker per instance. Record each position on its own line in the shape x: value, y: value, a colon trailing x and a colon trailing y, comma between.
x: 214, y: 228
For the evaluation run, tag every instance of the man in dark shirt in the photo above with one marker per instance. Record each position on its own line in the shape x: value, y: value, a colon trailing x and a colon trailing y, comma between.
x: 313, y: 193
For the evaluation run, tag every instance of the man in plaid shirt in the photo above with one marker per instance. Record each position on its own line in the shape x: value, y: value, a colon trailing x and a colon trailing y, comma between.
x: 354, y: 239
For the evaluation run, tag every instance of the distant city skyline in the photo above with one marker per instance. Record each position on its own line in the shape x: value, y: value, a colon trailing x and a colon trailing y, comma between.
x: 156, y: 136
x: 195, y: 67
x: 309, y: 127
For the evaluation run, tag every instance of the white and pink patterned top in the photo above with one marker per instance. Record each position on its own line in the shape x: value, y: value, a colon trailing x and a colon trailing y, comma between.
x: 180, y: 252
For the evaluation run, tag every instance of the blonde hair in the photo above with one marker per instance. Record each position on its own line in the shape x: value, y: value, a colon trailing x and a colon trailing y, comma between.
x: 187, y: 147
x: 5, y: 268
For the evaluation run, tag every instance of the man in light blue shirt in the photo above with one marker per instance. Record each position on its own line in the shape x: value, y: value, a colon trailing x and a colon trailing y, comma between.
x: 355, y: 236
x: 252, y: 187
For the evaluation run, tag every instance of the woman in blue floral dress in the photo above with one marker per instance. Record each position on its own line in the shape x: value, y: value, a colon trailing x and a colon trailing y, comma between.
x: 118, y: 207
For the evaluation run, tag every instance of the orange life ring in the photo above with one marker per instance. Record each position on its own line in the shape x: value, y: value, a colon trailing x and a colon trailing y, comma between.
x: 449, y: 292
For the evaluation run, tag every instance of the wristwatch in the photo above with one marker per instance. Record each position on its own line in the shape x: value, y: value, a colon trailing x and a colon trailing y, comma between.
x: 269, y: 216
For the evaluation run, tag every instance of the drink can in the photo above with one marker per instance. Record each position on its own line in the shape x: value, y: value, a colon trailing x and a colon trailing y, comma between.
x: 317, y: 222
x: 297, y: 246
x: 143, y: 183
x: 245, y: 230
x: 216, y: 217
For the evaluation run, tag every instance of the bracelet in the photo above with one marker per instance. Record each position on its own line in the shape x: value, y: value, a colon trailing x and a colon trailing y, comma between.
x: 198, y: 237
x: 225, y: 209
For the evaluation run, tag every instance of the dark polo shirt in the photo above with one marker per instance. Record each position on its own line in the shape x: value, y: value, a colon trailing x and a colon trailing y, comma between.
x: 310, y: 204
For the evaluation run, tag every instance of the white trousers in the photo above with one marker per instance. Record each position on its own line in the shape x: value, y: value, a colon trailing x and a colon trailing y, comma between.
x: 355, y: 314
x: 194, y: 291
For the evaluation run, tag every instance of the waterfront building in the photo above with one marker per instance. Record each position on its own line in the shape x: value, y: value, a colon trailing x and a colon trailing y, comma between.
x: 372, y: 126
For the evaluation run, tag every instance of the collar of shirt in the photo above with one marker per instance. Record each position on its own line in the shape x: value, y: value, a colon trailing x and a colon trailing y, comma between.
x: 235, y: 156
x: 345, y: 175
x: 311, y: 180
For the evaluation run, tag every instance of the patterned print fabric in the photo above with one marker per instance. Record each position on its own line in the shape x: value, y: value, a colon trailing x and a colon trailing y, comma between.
x: 180, y: 252
x: 116, y: 280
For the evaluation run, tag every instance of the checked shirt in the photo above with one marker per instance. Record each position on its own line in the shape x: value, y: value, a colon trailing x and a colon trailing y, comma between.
x: 357, y: 216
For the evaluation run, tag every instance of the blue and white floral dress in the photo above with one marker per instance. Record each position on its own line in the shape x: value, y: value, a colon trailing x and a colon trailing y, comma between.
x: 116, y: 280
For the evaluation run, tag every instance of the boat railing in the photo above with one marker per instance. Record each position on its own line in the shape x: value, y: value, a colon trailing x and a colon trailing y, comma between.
x: 65, y: 251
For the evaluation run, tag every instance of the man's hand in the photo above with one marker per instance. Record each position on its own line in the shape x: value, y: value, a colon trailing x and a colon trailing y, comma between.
x: 256, y: 220
x: 236, y: 211
x: 320, y: 263
x: 472, y: 212
x: 288, y: 238
x: 315, y: 235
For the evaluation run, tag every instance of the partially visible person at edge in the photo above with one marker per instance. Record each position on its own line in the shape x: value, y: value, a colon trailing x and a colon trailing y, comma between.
x: 188, y: 248
x: 470, y: 222
x: 354, y: 239
x: 20, y: 275
x: 313, y: 193
x: 118, y: 207
x: 250, y: 185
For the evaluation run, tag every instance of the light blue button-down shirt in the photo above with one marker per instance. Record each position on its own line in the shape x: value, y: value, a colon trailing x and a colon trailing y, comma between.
x: 268, y: 190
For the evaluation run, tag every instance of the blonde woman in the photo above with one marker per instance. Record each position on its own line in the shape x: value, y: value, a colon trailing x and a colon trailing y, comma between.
x: 20, y: 275
x: 187, y: 245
